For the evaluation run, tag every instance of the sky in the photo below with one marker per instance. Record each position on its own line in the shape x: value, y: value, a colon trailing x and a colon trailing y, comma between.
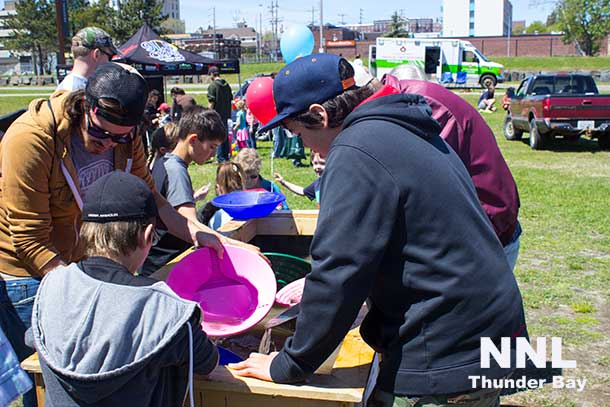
x: 199, y: 13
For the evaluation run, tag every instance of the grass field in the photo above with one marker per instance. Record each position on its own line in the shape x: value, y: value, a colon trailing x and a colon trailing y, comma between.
x: 553, y: 63
x: 564, y: 263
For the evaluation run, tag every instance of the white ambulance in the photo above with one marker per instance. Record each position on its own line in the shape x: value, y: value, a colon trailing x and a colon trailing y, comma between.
x: 449, y: 61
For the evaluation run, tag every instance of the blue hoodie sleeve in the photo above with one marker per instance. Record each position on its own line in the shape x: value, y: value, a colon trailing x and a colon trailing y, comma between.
x: 357, y: 216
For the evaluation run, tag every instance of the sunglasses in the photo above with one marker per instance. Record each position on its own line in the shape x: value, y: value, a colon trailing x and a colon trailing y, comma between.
x: 108, y: 54
x: 102, y: 134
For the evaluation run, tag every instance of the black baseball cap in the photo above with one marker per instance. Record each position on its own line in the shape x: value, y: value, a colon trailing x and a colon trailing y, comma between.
x: 305, y: 81
x: 213, y: 69
x: 119, y: 196
x: 123, y: 84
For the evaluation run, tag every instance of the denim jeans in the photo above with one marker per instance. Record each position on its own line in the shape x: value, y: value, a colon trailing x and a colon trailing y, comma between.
x: 251, y: 142
x: 511, y: 250
x: 16, y: 305
x: 13, y: 380
x: 222, y: 151
x: 278, y: 141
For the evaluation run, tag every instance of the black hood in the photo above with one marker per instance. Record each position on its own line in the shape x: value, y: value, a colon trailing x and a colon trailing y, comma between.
x: 407, y: 110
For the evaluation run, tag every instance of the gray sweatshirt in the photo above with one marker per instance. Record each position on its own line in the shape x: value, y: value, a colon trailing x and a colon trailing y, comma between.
x: 108, y: 338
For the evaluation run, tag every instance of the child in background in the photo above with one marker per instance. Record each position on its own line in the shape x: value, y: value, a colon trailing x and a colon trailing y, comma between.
x: 487, y: 100
x: 200, y: 132
x: 84, y: 311
x: 510, y: 92
x: 163, y: 117
x: 229, y: 178
x: 240, y: 128
x: 253, y: 123
x: 312, y: 191
x: 162, y: 142
x: 250, y: 161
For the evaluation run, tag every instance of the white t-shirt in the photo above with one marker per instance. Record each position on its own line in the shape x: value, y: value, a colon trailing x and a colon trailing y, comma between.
x: 72, y: 82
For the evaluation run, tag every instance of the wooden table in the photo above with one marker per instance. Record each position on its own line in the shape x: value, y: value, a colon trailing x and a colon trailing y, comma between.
x: 343, y: 387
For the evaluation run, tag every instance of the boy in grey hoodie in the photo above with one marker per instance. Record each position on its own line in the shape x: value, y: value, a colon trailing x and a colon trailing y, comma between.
x: 104, y: 336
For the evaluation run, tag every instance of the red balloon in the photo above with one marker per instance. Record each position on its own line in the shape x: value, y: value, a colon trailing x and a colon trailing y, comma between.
x: 260, y: 99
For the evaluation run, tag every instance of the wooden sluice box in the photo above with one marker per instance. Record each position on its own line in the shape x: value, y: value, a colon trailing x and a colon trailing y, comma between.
x: 287, y: 232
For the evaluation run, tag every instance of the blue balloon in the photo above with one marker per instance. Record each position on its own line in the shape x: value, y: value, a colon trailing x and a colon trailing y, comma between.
x: 297, y: 41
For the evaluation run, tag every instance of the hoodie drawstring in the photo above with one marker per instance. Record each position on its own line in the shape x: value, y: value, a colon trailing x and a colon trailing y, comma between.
x: 191, y: 398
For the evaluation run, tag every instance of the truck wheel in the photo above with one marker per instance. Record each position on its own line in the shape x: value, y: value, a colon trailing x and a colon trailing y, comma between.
x: 536, y: 139
x: 510, y: 132
x: 604, y: 142
x: 488, y: 80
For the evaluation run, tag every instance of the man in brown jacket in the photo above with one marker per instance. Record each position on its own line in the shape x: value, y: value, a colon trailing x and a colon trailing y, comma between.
x: 49, y: 157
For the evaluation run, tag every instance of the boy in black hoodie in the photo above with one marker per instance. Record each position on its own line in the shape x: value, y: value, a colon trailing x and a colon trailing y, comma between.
x: 400, y: 225
x: 104, y: 336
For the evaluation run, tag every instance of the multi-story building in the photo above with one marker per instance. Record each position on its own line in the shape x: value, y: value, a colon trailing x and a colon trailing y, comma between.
x: 9, y: 61
x: 477, y: 18
x: 171, y: 8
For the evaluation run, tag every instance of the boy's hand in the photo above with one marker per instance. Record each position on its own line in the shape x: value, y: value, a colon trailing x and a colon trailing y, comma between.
x: 278, y: 177
x: 257, y: 365
x: 202, y: 236
x: 247, y: 246
x: 202, y: 192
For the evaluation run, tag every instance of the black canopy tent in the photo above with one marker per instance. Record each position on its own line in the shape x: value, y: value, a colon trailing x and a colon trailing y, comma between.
x: 151, y: 55
x: 155, y: 58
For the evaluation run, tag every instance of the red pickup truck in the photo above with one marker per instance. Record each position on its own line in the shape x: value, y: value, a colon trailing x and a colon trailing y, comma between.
x: 558, y: 105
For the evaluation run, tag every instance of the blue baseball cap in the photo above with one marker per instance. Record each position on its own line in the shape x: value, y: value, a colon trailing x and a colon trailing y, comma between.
x: 308, y: 80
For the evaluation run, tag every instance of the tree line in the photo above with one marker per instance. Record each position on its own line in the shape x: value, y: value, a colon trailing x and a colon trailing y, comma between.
x: 35, y: 31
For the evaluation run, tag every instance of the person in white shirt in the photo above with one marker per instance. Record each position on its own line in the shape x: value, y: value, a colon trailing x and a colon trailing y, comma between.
x: 91, y: 47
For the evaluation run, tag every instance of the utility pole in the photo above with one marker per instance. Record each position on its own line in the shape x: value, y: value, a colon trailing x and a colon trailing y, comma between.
x: 214, y: 30
x: 312, y: 15
x: 60, y: 9
x: 342, y: 18
x: 274, y: 27
x: 360, y: 21
x: 260, y: 31
x: 321, y: 26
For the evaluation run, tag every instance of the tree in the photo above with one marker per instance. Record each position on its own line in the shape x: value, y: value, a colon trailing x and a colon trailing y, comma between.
x: 584, y: 22
x: 132, y: 14
x: 85, y: 14
x: 536, y: 27
x: 396, y: 27
x: 33, y: 29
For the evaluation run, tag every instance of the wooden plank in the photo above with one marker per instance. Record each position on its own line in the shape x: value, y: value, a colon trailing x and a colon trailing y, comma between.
x: 288, y: 223
x: 239, y: 230
x: 31, y: 364
x: 40, y: 389
x: 341, y: 386
x: 223, y: 399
